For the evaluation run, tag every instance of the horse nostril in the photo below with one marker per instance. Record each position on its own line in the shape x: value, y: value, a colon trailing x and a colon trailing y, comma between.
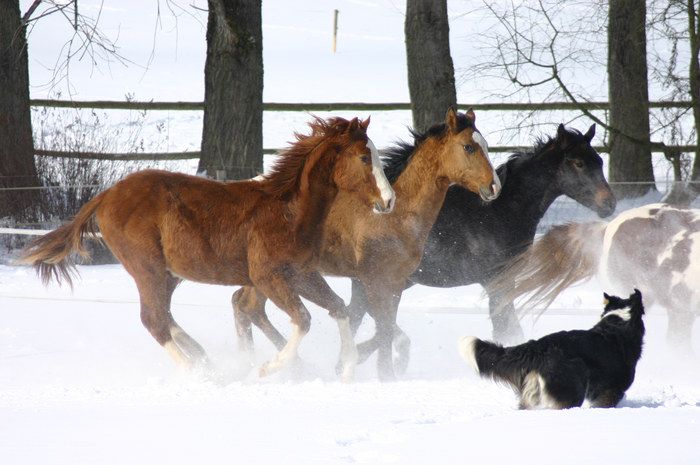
x: 607, y: 206
x: 381, y: 207
x: 496, y: 189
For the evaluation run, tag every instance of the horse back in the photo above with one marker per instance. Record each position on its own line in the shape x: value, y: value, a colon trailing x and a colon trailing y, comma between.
x: 194, y: 227
x: 652, y: 248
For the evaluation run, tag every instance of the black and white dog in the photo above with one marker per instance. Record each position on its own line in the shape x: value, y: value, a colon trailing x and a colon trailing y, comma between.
x: 562, y: 369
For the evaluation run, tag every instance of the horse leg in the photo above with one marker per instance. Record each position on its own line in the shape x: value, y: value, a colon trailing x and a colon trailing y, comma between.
x: 359, y: 305
x: 506, y: 326
x: 402, y: 345
x: 155, y: 291
x: 249, y: 307
x: 244, y: 328
x: 384, y: 299
x: 356, y: 310
x: 314, y: 288
x: 280, y: 292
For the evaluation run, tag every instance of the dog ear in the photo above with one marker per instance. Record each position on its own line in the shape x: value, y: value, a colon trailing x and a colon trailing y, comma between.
x: 636, y: 295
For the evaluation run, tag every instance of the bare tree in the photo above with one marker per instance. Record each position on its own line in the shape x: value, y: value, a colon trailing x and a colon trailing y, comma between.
x: 17, y: 167
x: 631, y: 170
x: 677, y: 67
x: 18, y: 173
x: 233, y: 74
x: 539, y: 45
x: 431, y: 76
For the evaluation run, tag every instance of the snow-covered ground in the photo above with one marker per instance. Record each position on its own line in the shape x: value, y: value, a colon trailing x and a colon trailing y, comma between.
x: 82, y: 382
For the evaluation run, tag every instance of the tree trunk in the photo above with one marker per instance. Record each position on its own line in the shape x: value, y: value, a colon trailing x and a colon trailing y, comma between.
x: 694, y: 81
x: 630, y: 149
x: 17, y: 166
x: 431, y: 74
x: 233, y: 86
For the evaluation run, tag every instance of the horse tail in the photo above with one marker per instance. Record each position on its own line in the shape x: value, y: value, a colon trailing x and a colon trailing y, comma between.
x: 566, y: 255
x: 50, y: 254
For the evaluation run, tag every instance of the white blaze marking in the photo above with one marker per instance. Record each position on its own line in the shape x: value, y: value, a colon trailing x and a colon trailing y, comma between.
x: 387, y: 193
x: 479, y: 139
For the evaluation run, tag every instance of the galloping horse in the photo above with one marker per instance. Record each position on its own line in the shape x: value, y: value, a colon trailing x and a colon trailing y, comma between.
x: 471, y: 241
x: 654, y: 248
x: 382, y: 254
x: 166, y: 227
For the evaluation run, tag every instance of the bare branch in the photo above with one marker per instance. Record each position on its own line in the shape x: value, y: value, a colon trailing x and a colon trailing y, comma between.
x: 30, y: 11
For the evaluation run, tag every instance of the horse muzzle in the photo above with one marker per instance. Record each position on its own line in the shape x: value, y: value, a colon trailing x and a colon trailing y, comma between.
x: 386, y: 206
x: 605, y: 205
x: 490, y: 193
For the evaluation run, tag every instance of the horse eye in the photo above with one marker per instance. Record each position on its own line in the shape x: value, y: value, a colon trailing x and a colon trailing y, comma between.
x: 365, y: 160
x: 578, y: 164
x: 469, y: 148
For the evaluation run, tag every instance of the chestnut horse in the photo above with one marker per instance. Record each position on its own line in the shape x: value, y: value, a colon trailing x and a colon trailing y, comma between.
x: 382, y: 254
x: 654, y: 248
x: 166, y: 227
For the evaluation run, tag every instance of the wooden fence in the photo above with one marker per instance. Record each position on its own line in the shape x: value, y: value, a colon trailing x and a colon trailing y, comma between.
x: 310, y: 107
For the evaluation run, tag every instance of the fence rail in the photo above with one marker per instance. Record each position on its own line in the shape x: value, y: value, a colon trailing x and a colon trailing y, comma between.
x: 337, y: 106
x: 310, y: 107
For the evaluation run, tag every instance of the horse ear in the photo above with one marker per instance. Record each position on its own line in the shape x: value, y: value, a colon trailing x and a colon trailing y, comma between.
x: 354, y: 125
x: 606, y: 299
x: 451, y: 119
x: 365, y: 123
x: 471, y: 115
x: 561, y: 136
x: 591, y: 132
x: 561, y: 131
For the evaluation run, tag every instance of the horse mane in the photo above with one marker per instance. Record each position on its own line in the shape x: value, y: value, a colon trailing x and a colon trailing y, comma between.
x: 285, y: 176
x: 544, y: 143
x: 395, y: 159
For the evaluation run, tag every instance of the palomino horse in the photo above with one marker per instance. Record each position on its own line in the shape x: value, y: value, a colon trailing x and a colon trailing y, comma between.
x: 471, y: 241
x: 654, y: 248
x: 382, y: 254
x: 166, y: 227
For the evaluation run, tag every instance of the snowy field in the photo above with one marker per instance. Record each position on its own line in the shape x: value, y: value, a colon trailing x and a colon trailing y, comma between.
x: 82, y: 382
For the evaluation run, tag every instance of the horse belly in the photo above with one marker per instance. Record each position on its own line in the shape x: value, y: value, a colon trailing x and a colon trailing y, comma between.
x: 203, y: 259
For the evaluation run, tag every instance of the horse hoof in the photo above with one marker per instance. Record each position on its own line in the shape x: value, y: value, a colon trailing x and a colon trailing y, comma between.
x: 264, y: 370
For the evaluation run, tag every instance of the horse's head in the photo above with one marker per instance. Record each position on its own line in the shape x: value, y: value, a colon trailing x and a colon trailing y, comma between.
x: 580, y: 172
x: 358, y: 169
x: 465, y: 156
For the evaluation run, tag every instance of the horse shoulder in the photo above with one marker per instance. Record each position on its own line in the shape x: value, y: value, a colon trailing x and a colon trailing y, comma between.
x: 344, y: 228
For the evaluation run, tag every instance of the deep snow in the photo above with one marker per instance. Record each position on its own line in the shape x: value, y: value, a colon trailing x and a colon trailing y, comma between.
x: 82, y: 382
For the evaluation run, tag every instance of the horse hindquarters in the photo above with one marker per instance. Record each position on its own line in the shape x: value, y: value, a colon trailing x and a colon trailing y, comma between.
x: 156, y: 286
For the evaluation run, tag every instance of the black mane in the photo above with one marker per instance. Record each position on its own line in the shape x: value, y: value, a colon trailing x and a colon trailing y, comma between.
x: 396, y: 158
x: 541, y: 144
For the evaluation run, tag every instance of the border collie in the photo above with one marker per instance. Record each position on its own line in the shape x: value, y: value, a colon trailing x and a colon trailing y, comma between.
x: 562, y: 369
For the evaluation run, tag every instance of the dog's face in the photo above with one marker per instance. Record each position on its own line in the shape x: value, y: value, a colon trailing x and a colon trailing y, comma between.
x: 623, y: 308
